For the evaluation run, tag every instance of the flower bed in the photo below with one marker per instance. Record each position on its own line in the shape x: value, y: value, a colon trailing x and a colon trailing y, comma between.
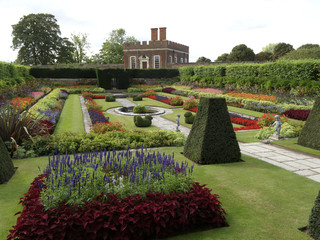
x: 298, y: 114
x: 23, y: 102
x: 96, y: 196
x: 249, y: 124
x: 259, y: 97
x: 168, y: 89
x: 37, y: 95
x: 176, y: 101
x: 97, y: 116
x: 208, y: 90
x: 101, y: 128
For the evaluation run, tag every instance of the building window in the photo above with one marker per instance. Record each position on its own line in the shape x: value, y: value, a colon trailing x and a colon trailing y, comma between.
x: 133, y: 62
x: 175, y: 59
x: 186, y: 60
x: 181, y: 60
x: 157, y: 61
x: 170, y: 59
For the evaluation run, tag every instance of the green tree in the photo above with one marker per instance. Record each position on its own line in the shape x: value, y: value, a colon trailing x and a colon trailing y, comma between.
x: 263, y: 56
x: 112, y: 48
x: 222, y: 58
x: 37, y: 36
x: 203, y: 60
x: 308, y: 46
x: 303, y: 53
x: 269, y: 48
x: 66, y: 52
x: 241, y: 53
x: 281, y: 49
x: 81, y: 45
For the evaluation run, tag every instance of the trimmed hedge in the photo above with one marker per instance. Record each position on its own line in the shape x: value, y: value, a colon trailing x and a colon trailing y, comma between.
x: 6, y: 164
x: 189, y: 117
x: 142, y: 122
x: 11, y: 74
x: 212, y: 139
x: 39, y: 72
x: 314, y: 219
x: 110, y: 98
x: 310, y: 135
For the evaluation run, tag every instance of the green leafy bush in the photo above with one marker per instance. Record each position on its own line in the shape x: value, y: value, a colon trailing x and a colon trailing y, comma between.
x: 189, y: 117
x: 314, y: 219
x: 110, y: 98
x: 142, y: 122
x: 190, y: 103
x: 137, y: 98
x: 176, y: 101
x: 139, y: 109
x: 287, y: 131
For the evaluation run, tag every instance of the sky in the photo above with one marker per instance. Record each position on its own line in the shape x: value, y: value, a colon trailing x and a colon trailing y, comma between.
x: 209, y: 27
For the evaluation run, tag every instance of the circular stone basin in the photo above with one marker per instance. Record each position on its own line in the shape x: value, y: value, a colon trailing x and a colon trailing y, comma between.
x: 129, y: 111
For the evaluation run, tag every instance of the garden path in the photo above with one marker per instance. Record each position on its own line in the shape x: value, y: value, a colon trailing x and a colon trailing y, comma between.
x: 297, y: 162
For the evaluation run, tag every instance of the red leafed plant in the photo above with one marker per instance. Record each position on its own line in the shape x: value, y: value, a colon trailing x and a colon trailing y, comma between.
x: 99, y: 96
x: 297, y: 114
x: 110, y: 217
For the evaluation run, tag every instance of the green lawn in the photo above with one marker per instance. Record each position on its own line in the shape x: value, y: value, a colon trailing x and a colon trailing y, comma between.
x: 106, y: 105
x: 262, y: 201
x: 71, y: 116
x: 293, y: 144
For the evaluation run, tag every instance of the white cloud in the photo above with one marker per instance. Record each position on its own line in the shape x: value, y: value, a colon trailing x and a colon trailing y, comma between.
x: 209, y: 28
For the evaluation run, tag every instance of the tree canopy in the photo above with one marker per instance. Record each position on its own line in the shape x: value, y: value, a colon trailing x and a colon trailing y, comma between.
x: 222, y: 58
x: 37, y: 36
x: 81, y: 45
x: 203, y: 60
x: 241, y: 53
x: 112, y: 48
x: 281, y: 49
x: 303, y: 53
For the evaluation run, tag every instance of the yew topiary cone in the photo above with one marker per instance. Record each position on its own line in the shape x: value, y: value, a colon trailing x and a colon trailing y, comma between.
x: 310, y: 134
x: 314, y: 219
x: 6, y: 164
x: 212, y: 139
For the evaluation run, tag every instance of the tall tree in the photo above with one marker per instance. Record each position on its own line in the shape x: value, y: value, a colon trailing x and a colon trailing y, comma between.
x: 112, y: 48
x: 37, y: 36
x: 263, y: 56
x: 308, y: 46
x: 222, y: 58
x: 269, y: 48
x: 81, y: 45
x: 241, y: 53
x: 281, y: 49
x: 203, y: 60
x: 66, y: 51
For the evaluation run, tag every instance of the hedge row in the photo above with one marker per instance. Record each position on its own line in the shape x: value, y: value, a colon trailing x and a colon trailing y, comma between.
x: 11, y: 74
x: 300, y: 70
x: 39, y: 72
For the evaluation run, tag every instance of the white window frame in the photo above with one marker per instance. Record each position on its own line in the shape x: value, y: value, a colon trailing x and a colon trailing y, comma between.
x: 154, y: 61
x: 170, y: 59
x: 133, y: 63
x: 175, y: 59
x: 181, y: 60
x: 186, y: 60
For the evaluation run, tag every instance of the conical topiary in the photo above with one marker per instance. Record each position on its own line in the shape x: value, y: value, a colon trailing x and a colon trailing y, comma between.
x: 314, y: 219
x: 212, y: 139
x: 6, y: 164
x: 310, y: 134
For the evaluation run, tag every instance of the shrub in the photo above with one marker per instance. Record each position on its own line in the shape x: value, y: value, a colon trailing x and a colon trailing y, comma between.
x: 189, y: 118
x: 220, y: 146
x: 142, y: 122
x: 110, y: 98
x: 87, y: 94
x: 310, y: 135
x: 137, y: 98
x: 268, y: 118
x: 168, y: 89
x: 314, y: 219
x: 6, y: 164
x: 139, y: 109
x: 103, y: 127
x: 149, y: 93
x: 176, y: 101
x: 287, y: 131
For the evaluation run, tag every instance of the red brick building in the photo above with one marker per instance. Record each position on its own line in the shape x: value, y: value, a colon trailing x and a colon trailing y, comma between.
x: 159, y: 53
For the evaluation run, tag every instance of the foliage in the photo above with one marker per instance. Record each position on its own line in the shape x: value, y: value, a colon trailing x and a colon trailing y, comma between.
x: 65, y: 52
x: 81, y: 45
x: 168, y: 89
x: 139, y: 109
x: 263, y: 57
x: 23, y: 102
x: 189, y: 117
x: 281, y: 49
x: 269, y: 48
x: 139, y: 121
x: 310, y: 135
x: 298, y: 114
x: 176, y: 101
x: 287, y: 131
x: 103, y: 127
x: 303, y: 53
x: 134, y: 217
x: 110, y: 98
x: 222, y: 58
x: 212, y: 116
x: 314, y: 221
x: 203, y: 60
x: 259, y: 97
x: 6, y: 164
x: 97, y: 116
x: 241, y: 53
x: 137, y: 98
x: 149, y: 93
x: 190, y: 103
x: 37, y: 36
x: 92, y: 105
x: 63, y: 72
x: 112, y: 49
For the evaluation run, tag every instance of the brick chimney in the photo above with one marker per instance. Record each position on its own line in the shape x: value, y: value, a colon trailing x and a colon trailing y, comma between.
x: 154, y: 34
x: 163, y: 33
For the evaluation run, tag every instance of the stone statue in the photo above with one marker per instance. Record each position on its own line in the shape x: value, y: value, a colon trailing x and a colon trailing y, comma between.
x: 178, y: 122
x: 278, y: 124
